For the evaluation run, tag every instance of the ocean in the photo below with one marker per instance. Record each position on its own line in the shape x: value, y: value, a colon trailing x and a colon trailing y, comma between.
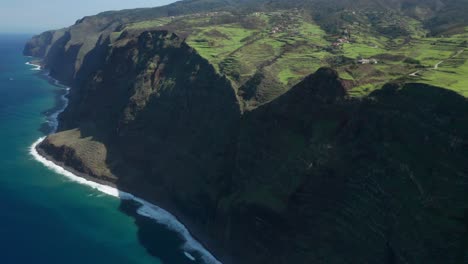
x: 47, y: 217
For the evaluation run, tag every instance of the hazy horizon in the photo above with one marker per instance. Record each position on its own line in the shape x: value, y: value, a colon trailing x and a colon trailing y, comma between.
x: 27, y: 16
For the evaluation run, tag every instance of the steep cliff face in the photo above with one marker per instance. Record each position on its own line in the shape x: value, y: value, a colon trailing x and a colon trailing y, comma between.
x: 38, y: 45
x: 64, y: 51
x: 322, y: 179
x: 310, y: 177
x: 156, y: 93
x: 167, y: 121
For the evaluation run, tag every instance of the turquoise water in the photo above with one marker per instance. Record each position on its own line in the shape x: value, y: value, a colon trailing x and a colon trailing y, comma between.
x: 45, y: 218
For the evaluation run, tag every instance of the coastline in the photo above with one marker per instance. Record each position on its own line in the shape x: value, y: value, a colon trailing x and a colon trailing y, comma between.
x: 37, y: 66
x: 146, y: 209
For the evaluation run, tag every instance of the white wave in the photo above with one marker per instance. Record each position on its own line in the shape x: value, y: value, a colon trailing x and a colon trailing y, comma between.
x: 53, y: 118
x: 164, y: 217
x: 49, y: 164
x: 189, y: 256
x: 146, y: 209
x: 37, y: 67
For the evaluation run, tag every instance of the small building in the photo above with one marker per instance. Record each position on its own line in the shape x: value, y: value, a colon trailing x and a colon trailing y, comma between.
x: 336, y: 44
x: 343, y: 40
x: 367, y: 61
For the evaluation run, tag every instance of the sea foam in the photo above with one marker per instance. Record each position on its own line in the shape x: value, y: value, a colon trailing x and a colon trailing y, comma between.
x: 37, y: 67
x: 146, y: 209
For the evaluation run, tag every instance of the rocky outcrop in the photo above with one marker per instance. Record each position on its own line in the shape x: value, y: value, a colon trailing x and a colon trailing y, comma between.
x: 83, y: 155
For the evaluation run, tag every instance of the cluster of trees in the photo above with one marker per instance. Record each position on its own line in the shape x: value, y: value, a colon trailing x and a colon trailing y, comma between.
x: 412, y: 61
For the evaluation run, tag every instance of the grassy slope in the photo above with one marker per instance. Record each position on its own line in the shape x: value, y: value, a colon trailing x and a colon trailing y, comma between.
x: 453, y: 71
x: 288, y: 45
x: 239, y: 47
x: 290, y: 53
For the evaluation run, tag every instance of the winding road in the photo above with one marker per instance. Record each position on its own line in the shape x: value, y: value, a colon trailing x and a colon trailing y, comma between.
x: 436, y: 66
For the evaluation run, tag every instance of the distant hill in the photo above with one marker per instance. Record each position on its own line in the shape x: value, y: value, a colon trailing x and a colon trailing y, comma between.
x: 438, y: 15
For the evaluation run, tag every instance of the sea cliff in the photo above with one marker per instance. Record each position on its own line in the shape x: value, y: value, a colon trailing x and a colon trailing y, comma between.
x: 312, y: 176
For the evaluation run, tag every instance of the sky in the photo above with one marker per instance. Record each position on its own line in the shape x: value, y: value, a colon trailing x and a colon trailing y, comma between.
x: 35, y: 16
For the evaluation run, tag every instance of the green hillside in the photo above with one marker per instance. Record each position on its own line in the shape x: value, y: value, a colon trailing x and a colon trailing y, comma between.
x: 284, y: 46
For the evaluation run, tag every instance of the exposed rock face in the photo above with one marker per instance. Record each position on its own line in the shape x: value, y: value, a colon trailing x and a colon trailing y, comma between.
x: 64, y: 51
x: 38, y: 45
x: 155, y: 92
x: 310, y: 177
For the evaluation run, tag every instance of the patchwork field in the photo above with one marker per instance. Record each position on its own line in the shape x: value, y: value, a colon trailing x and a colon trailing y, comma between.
x: 284, y: 47
x: 450, y: 64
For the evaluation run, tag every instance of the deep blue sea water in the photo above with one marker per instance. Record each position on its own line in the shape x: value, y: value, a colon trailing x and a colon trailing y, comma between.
x: 45, y: 218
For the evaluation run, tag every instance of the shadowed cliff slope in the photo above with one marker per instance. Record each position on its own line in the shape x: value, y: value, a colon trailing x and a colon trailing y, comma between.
x: 311, y: 177
x: 376, y: 181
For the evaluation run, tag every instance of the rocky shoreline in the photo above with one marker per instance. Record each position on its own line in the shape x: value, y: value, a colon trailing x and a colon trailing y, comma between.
x: 59, y: 163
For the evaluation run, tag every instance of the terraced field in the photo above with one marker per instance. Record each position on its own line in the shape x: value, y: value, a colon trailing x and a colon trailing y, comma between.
x: 278, y: 49
x: 285, y: 45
